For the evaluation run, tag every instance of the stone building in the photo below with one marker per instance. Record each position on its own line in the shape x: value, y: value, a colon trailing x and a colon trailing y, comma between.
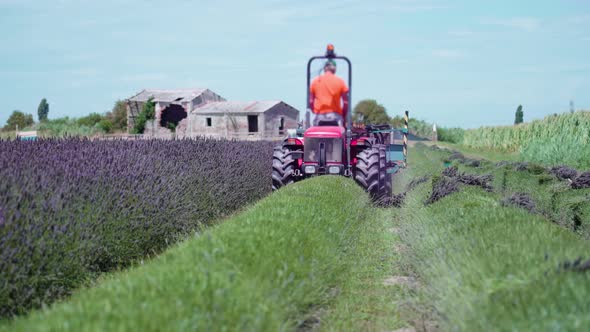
x: 201, y: 112
x: 172, y: 106
x: 242, y: 120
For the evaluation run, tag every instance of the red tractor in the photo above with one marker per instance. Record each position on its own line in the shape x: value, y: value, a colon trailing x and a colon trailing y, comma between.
x: 368, y: 153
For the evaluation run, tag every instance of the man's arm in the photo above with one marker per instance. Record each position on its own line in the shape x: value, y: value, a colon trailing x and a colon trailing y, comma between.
x: 345, y: 104
x: 311, y: 99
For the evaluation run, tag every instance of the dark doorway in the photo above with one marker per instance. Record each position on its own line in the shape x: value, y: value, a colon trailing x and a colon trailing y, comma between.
x: 209, y: 122
x: 252, y: 123
x: 281, y: 126
x: 171, y: 116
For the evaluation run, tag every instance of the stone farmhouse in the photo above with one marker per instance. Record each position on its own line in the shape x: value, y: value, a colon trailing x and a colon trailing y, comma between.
x: 201, y: 112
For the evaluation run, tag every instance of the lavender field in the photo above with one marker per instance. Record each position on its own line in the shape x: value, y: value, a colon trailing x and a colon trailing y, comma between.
x: 72, y: 209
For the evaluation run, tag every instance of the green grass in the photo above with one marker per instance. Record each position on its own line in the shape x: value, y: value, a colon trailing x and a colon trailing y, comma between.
x: 267, y: 269
x: 486, y: 267
x: 364, y: 303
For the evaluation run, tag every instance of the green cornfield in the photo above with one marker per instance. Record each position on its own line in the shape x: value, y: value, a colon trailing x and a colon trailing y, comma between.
x: 572, y: 128
x: 556, y: 139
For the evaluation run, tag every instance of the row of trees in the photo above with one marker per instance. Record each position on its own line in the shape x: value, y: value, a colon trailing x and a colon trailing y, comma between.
x: 116, y: 119
x: 369, y: 111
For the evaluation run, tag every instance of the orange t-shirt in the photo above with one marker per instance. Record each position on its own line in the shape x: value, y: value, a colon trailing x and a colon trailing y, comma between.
x: 328, y: 90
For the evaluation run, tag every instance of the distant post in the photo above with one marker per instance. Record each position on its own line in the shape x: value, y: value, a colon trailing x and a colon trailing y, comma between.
x: 434, y: 133
x: 406, y: 120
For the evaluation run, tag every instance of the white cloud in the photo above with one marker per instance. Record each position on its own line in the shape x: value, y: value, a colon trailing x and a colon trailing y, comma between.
x: 528, y: 24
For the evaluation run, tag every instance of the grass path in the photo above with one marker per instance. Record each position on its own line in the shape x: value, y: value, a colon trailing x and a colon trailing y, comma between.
x: 489, y: 154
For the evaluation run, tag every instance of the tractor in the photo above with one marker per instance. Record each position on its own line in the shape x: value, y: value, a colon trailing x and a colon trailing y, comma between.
x: 367, y: 153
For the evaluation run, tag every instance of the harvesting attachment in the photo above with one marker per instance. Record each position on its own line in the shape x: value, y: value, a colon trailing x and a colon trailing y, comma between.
x: 370, y: 154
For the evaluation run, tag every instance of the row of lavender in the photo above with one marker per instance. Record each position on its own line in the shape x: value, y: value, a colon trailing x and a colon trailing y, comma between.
x: 71, y: 209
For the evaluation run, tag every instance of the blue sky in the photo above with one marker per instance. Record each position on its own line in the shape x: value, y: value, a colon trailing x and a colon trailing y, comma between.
x: 454, y: 62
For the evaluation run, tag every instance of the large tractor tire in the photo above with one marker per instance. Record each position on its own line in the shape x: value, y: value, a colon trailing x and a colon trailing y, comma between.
x: 283, y: 168
x: 367, y: 171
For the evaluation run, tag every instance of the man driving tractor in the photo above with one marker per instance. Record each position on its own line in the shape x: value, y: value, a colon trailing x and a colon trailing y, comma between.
x: 325, y: 94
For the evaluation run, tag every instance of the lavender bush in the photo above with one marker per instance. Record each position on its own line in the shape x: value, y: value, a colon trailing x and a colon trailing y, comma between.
x: 71, y: 209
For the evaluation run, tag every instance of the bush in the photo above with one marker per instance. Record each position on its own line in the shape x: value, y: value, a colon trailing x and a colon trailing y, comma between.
x: 71, y: 209
x: 105, y: 125
x: 90, y: 120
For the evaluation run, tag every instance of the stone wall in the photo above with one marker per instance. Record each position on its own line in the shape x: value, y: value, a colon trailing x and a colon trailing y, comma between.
x: 153, y: 129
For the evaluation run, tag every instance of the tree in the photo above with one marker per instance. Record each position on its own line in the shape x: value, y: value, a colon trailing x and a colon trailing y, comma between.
x: 43, y: 110
x: 368, y: 111
x: 519, y: 116
x: 118, y: 116
x: 20, y: 119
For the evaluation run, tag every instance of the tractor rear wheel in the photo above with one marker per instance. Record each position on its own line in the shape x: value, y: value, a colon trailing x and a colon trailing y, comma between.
x: 367, y: 171
x: 283, y: 167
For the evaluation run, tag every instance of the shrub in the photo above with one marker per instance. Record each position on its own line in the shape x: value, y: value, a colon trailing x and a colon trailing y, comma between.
x: 90, y: 120
x: 71, y: 209
x: 105, y: 125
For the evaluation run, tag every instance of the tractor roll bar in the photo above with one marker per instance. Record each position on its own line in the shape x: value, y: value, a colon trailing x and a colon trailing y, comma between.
x: 330, y: 55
